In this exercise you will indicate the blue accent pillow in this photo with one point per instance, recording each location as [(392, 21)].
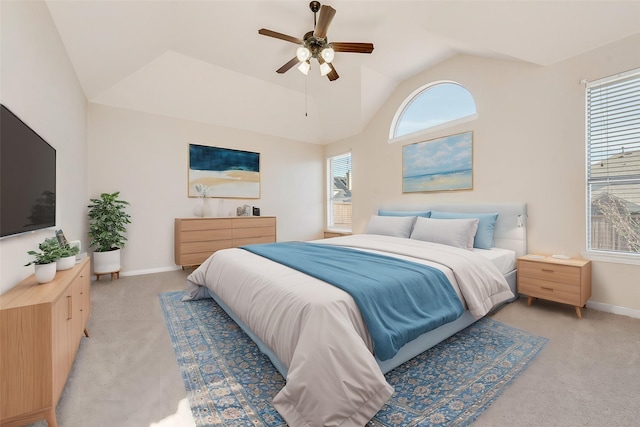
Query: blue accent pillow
[(424, 214), (486, 226)]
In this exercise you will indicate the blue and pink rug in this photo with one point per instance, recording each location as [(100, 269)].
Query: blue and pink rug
[(230, 382)]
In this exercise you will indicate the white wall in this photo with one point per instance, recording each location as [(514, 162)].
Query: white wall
[(145, 157), (529, 146), (38, 84)]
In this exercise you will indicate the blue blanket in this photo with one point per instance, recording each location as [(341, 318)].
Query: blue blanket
[(399, 300)]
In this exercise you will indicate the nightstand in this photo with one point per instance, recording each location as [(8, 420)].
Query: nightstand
[(329, 234), (566, 281)]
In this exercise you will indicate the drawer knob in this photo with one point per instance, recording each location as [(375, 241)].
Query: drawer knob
[(547, 289), (546, 270)]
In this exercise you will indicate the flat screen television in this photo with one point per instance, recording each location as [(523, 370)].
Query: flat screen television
[(27, 178)]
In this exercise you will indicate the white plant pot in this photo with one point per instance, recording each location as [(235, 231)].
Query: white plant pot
[(65, 263), (106, 262), (45, 272)]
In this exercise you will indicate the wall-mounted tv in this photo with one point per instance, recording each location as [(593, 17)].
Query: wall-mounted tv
[(27, 178)]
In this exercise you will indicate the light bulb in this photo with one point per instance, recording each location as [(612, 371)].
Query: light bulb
[(325, 69), (304, 67), (302, 53), (328, 54)]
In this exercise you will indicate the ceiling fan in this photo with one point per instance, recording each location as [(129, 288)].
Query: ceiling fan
[(314, 44)]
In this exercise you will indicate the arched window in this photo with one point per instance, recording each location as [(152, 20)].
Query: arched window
[(431, 106)]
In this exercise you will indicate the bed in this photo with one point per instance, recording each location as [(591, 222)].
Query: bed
[(315, 333)]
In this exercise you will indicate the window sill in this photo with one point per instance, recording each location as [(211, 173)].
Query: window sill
[(620, 258)]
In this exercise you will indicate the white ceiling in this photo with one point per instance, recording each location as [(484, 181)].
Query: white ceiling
[(205, 61)]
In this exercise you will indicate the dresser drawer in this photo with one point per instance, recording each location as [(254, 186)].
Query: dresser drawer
[(552, 291), (549, 272)]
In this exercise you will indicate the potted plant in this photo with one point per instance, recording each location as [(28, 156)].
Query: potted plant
[(67, 257), (107, 228), (45, 260)]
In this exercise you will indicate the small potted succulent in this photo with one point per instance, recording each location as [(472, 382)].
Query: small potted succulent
[(45, 260)]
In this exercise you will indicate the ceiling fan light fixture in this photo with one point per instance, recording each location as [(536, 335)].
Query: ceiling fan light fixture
[(325, 68), (304, 67), (328, 54), (303, 53)]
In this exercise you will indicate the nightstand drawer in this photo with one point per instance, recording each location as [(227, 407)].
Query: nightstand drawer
[(549, 272), (553, 291)]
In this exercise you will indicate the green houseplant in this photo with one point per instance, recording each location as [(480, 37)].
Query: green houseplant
[(67, 256), (107, 228), (45, 259)]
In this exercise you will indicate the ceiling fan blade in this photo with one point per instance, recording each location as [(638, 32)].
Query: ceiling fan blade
[(286, 67), (352, 47), (280, 36), (333, 74), (326, 16)]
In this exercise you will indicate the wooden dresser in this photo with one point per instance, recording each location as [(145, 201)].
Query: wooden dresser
[(561, 280), (196, 239), (40, 330)]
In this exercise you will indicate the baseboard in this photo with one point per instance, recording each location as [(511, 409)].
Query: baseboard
[(146, 271), (615, 309)]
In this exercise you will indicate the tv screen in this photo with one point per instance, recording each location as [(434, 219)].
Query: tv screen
[(27, 178)]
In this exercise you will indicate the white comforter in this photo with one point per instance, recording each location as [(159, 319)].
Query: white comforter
[(316, 329)]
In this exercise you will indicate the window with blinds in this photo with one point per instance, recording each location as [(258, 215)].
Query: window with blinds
[(613, 164), (339, 192)]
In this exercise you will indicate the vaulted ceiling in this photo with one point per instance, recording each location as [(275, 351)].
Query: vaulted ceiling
[(205, 61)]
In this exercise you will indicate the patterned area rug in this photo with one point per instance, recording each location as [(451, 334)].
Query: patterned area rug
[(230, 382)]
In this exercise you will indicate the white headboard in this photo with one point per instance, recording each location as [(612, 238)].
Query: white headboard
[(511, 226)]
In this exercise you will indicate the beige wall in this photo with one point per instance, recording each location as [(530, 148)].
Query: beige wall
[(39, 85), (529, 146), (145, 157)]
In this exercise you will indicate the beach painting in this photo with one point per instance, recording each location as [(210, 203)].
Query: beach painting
[(222, 172), (442, 164)]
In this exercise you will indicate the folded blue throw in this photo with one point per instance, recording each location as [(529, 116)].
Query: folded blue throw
[(399, 300)]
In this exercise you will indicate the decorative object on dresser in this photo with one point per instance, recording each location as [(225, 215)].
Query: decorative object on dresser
[(41, 327), (45, 260), (566, 281), (197, 238), (107, 226)]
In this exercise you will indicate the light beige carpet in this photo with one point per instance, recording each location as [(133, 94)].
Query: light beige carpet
[(126, 374)]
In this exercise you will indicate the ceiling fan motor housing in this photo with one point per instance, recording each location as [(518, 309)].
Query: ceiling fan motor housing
[(314, 44)]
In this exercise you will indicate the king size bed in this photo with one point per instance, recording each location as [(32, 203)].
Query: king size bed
[(435, 270)]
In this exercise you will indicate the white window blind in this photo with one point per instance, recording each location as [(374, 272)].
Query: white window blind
[(613, 164), (339, 191)]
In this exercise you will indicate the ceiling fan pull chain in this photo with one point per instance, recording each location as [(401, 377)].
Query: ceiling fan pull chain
[(306, 97)]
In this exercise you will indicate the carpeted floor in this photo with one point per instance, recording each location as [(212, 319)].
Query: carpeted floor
[(230, 382), (126, 373)]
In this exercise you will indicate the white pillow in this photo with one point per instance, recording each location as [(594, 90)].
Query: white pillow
[(398, 226), (452, 232)]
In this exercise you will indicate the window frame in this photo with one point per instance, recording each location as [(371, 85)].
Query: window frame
[(621, 257), (420, 134)]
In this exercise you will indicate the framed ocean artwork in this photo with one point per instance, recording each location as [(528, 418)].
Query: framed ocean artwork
[(223, 172), (442, 164)]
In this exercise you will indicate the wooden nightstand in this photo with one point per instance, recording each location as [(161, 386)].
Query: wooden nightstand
[(566, 281), (329, 234)]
